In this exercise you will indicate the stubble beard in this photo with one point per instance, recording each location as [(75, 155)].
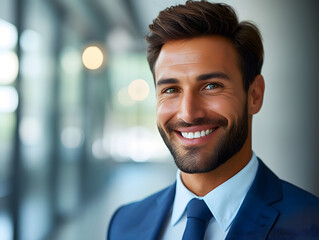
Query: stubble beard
[(229, 143)]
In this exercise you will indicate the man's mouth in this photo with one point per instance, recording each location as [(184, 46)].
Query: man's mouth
[(197, 134)]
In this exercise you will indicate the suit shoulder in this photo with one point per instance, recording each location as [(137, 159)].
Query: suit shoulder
[(297, 195), (145, 203), (298, 214), (138, 214), (298, 204), (283, 193)]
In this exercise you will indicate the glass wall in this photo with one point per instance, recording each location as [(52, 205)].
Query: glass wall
[(9, 99), (76, 112)]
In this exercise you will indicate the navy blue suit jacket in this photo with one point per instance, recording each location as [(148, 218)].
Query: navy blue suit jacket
[(272, 209)]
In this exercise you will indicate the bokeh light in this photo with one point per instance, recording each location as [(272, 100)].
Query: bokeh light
[(71, 137), (8, 99), (9, 67), (92, 57), (31, 131), (140, 143), (98, 149), (30, 41), (138, 90), (9, 35)]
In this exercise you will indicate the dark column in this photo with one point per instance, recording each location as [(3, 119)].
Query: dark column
[(16, 167)]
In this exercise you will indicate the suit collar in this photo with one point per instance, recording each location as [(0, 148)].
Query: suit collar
[(253, 221), (224, 201), (256, 215)]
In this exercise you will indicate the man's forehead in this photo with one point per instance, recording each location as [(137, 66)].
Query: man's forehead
[(187, 50), (177, 58), (208, 50)]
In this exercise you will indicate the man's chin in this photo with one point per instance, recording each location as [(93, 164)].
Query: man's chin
[(198, 170), (197, 164)]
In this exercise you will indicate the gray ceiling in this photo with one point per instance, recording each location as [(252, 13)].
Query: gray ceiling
[(99, 19)]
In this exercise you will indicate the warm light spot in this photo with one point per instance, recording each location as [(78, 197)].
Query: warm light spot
[(92, 57), (8, 99), (9, 67), (138, 90)]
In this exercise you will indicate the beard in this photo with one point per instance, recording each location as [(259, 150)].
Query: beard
[(188, 159)]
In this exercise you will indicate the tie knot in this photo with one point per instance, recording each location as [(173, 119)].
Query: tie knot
[(197, 208)]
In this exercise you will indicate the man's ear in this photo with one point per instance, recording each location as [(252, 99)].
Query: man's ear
[(256, 94)]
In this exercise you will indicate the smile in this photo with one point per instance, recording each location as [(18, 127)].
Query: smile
[(198, 134)]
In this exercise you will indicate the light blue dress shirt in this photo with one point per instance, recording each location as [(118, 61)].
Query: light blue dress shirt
[(223, 201)]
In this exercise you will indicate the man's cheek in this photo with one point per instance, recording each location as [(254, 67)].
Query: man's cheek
[(166, 111), (224, 107)]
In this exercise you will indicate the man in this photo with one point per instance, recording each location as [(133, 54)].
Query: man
[(206, 68)]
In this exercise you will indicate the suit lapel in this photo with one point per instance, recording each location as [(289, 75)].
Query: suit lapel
[(256, 215), (155, 219)]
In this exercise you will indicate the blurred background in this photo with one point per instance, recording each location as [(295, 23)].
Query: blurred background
[(78, 133)]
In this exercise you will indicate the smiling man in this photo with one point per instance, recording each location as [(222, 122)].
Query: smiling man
[(203, 112), (207, 71)]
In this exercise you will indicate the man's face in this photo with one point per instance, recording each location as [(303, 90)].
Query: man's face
[(201, 103)]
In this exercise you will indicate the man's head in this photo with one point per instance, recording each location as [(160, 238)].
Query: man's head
[(202, 18), (206, 68)]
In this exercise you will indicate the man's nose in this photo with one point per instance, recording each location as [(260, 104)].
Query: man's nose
[(190, 108)]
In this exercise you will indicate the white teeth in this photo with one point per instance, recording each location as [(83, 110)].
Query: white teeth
[(202, 133), (191, 135), (197, 135), (185, 135)]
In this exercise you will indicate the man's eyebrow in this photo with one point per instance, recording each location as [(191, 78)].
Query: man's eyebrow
[(166, 81), (207, 76), (201, 77)]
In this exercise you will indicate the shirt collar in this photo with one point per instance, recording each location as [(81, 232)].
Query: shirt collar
[(223, 201)]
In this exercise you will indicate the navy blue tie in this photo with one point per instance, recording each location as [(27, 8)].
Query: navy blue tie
[(198, 217)]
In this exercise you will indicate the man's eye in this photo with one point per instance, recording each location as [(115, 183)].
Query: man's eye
[(212, 86), (171, 90)]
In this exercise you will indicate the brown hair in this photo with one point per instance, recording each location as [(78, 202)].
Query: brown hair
[(200, 18)]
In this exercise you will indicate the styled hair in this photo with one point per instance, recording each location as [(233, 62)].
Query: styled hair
[(202, 18)]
